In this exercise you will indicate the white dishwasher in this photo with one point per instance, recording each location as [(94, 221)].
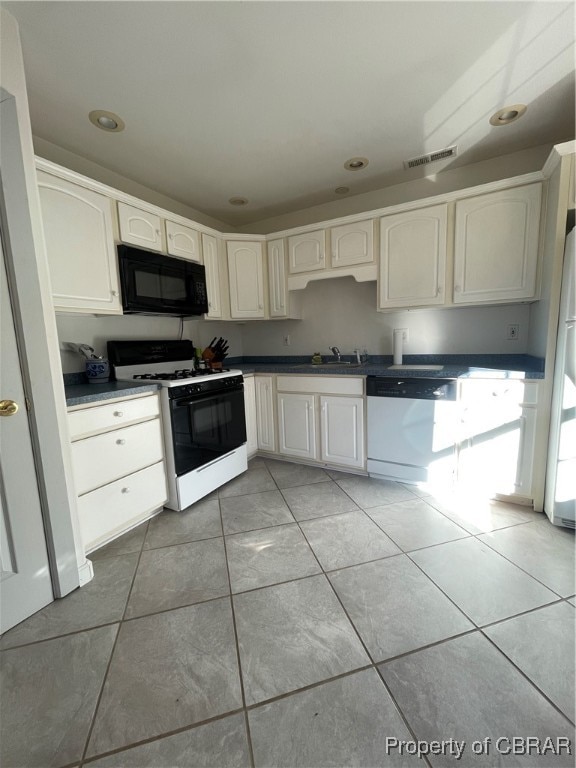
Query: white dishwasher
[(412, 429)]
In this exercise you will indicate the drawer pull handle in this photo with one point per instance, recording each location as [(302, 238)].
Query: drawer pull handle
[(126, 490), (120, 441), (118, 413)]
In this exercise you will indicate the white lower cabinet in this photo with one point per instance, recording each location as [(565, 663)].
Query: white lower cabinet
[(250, 410), (297, 425), (322, 419), (342, 431), (265, 423), (118, 465), (497, 436)]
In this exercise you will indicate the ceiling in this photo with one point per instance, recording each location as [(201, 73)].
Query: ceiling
[(267, 100)]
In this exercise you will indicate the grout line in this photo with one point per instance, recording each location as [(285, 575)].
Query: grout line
[(237, 644), (165, 735), (105, 678), (526, 677), (365, 647), (309, 687), (373, 665), (557, 594), (489, 624), (366, 650), (57, 637)]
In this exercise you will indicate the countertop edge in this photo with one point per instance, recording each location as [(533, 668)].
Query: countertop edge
[(86, 394)]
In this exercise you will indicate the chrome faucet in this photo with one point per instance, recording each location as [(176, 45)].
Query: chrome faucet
[(336, 352)]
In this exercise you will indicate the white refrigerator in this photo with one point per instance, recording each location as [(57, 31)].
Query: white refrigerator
[(560, 491)]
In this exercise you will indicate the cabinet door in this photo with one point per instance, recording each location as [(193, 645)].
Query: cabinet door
[(352, 244), (497, 436), (496, 246), (114, 508), (307, 253), (265, 413), (413, 258), (342, 431), (80, 245), (183, 242), (246, 274), (277, 279), (250, 410), (139, 227), (297, 426), (212, 265)]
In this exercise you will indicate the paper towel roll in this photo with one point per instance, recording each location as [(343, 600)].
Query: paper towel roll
[(397, 339)]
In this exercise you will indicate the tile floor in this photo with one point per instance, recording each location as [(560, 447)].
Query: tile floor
[(302, 617)]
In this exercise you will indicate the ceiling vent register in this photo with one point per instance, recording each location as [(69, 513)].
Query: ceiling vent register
[(441, 154)]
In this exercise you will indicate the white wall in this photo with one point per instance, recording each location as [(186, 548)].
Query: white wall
[(96, 331), (506, 166), (342, 312)]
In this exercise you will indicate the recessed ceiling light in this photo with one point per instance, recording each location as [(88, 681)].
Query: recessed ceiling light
[(238, 201), (107, 121), (356, 163), (508, 115), (342, 190)]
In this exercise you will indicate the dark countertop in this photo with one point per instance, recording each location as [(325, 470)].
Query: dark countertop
[(84, 393), (80, 392), (455, 366)]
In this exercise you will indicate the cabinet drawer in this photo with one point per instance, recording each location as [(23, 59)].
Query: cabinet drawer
[(110, 510), (322, 385), (89, 421), (99, 460)]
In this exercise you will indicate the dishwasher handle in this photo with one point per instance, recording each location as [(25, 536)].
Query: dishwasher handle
[(417, 388)]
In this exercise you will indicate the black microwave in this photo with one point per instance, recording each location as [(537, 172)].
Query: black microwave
[(154, 284)]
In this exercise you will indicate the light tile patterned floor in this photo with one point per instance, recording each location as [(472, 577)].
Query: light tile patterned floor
[(302, 617)]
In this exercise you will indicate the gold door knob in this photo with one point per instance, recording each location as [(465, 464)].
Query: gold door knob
[(8, 407)]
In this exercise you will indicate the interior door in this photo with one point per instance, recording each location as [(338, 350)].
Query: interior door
[(25, 584)]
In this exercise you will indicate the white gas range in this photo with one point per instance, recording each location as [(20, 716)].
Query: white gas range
[(202, 413)]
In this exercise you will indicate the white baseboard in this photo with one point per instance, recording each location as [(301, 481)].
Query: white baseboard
[(86, 572)]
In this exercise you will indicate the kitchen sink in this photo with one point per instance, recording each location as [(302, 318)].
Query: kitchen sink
[(409, 367)]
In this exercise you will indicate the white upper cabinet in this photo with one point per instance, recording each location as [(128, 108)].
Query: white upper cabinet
[(307, 252), (278, 288), (413, 258), (80, 245), (352, 244), (183, 242), (212, 266), (496, 246), (246, 275), (140, 228)]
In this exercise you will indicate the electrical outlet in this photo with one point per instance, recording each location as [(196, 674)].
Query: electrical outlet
[(405, 333), (286, 340), (513, 331)]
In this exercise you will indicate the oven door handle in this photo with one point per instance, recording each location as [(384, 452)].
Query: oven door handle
[(184, 403)]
